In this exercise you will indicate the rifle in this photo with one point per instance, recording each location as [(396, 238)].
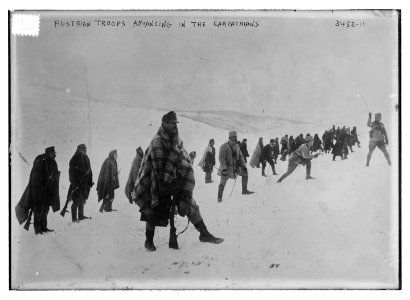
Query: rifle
[(173, 242), (70, 196), (27, 224)]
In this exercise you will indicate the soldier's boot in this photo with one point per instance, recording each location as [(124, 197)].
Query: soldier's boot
[(273, 170), (220, 192), (386, 155), (173, 242), (308, 168), (37, 227), (149, 240), (205, 236), (282, 177), (245, 186), (368, 160), (263, 171), (81, 212), (109, 206), (74, 213), (101, 210)]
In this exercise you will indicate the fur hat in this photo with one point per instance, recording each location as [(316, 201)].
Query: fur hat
[(170, 117)]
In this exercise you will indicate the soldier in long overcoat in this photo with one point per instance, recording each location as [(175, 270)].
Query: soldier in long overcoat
[(166, 181), (108, 182), (41, 193), (81, 181), (232, 164)]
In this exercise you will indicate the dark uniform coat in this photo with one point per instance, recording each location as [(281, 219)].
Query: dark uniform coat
[(42, 189), (80, 175)]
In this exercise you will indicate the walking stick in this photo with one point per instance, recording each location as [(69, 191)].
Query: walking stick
[(233, 187)]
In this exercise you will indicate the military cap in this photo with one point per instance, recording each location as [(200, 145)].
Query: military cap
[(232, 134), (50, 150)]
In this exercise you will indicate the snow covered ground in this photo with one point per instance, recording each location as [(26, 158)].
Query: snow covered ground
[(338, 231)]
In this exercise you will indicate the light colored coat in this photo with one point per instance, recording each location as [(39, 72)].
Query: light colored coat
[(228, 162), (379, 132)]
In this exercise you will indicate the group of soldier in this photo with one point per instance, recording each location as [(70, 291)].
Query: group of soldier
[(161, 180), (42, 191)]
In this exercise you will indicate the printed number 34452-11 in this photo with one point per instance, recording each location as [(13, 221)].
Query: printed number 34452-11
[(348, 24)]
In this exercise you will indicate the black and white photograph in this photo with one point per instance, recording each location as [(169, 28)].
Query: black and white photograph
[(205, 149)]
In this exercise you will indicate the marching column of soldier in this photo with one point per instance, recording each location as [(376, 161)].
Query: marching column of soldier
[(161, 181)]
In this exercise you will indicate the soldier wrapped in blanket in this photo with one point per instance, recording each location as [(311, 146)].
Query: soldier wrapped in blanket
[(257, 154), (41, 192), (317, 144), (284, 143), (207, 162), (132, 177), (231, 164), (378, 137), (300, 157), (81, 177), (167, 178), (108, 182)]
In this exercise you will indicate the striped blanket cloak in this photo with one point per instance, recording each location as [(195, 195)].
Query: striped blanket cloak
[(166, 169)]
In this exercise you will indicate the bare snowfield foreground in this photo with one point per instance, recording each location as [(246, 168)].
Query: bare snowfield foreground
[(338, 231)]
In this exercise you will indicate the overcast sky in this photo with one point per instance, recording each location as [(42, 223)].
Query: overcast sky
[(291, 64)]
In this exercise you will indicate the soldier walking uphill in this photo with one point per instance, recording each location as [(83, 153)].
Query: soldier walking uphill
[(378, 137), (207, 162), (41, 192), (300, 157), (268, 156), (132, 177), (108, 182), (81, 180), (232, 163), (166, 181)]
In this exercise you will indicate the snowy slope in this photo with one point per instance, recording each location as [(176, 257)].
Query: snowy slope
[(337, 231)]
